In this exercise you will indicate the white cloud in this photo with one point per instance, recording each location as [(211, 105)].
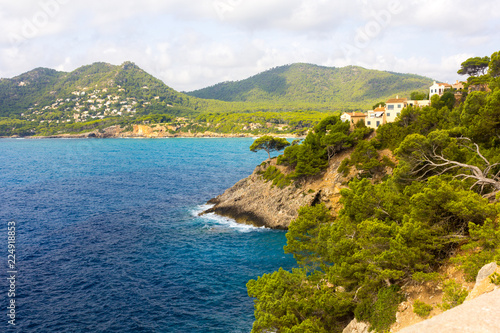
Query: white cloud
[(193, 44)]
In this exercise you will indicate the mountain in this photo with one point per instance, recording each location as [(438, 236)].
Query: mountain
[(94, 97), (42, 89), (351, 86)]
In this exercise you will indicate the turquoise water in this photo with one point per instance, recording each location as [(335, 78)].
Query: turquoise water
[(108, 238)]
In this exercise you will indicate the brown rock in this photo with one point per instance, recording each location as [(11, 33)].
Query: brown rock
[(254, 200), (483, 283), (480, 315), (356, 327)]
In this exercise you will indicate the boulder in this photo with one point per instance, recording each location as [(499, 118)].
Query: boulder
[(356, 327)]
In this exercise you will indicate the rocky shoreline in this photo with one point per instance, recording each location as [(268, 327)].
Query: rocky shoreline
[(254, 200), (143, 131)]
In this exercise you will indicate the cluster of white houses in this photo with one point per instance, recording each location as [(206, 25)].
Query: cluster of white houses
[(393, 107)]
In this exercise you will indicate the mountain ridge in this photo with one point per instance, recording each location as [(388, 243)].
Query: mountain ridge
[(302, 82)]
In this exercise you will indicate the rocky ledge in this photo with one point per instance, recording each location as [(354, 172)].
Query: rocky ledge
[(254, 200)]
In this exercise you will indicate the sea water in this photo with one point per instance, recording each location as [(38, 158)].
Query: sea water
[(108, 237)]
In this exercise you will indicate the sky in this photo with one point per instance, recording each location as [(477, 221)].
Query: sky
[(197, 43)]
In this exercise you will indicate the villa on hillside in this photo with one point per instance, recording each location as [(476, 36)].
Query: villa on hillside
[(438, 89), (393, 107), (382, 114)]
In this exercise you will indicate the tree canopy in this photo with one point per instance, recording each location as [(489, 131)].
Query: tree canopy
[(269, 143), (441, 198), (494, 66), (474, 66)]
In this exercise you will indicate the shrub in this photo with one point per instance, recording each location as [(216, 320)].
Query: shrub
[(495, 279), (274, 174), (454, 294), (344, 168), (421, 277), (385, 308), (422, 309), (483, 247)]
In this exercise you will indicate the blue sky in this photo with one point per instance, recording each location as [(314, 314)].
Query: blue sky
[(197, 43)]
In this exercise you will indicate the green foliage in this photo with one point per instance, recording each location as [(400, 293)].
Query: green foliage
[(297, 302), (481, 118), (334, 88), (453, 294), (260, 122), (483, 248), (397, 231), (422, 277), (269, 143), (495, 279), (494, 65), (303, 239), (422, 309), (274, 174), (344, 167), (474, 66), (379, 104), (417, 95), (155, 118), (326, 139), (385, 307), (42, 87), (365, 157)]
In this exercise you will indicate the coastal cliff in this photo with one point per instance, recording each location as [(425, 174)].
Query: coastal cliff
[(145, 131), (255, 200)]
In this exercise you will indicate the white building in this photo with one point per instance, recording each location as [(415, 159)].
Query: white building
[(393, 108), (438, 89), (375, 118), (353, 117)]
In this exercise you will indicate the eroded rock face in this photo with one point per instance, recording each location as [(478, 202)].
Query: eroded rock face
[(356, 327), (254, 200), (483, 284), (479, 313)]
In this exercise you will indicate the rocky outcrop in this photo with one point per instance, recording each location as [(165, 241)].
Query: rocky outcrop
[(483, 283), (479, 313), (357, 327), (254, 200)]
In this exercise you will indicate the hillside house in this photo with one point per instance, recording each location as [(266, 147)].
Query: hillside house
[(438, 89), (458, 85), (420, 103), (393, 108), (377, 117), (353, 117)]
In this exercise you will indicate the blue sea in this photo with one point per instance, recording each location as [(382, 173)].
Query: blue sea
[(108, 237)]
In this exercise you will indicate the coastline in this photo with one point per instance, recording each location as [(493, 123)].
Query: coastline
[(205, 135)]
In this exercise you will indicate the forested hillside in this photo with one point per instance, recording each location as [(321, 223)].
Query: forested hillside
[(400, 222), (42, 87), (348, 87)]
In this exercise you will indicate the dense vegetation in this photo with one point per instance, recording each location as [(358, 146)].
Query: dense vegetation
[(93, 97), (349, 87), (41, 87), (440, 203), (326, 139)]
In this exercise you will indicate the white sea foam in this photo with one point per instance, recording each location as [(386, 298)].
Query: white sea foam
[(212, 220)]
